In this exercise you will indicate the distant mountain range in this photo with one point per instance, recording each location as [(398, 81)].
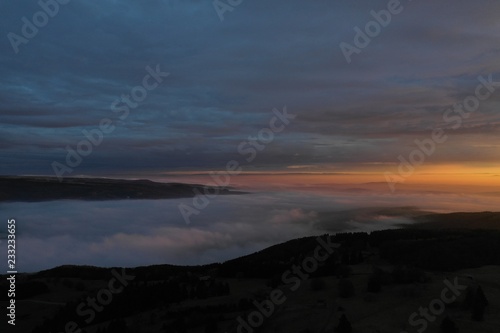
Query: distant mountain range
[(459, 220), (37, 188)]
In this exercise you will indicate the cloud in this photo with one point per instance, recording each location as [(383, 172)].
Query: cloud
[(295, 215), (227, 76)]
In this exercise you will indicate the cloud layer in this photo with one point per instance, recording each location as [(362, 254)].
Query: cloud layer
[(145, 232), (225, 78)]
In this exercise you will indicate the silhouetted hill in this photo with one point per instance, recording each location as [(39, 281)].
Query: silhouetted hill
[(392, 264), (271, 260)]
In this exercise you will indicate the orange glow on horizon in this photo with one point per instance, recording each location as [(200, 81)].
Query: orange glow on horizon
[(453, 179), (433, 174)]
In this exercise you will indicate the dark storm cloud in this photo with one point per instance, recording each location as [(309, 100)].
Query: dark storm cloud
[(225, 78)]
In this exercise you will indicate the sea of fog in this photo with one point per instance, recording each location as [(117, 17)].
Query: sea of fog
[(144, 232)]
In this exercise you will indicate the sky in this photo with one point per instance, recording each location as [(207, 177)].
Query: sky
[(221, 79)]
